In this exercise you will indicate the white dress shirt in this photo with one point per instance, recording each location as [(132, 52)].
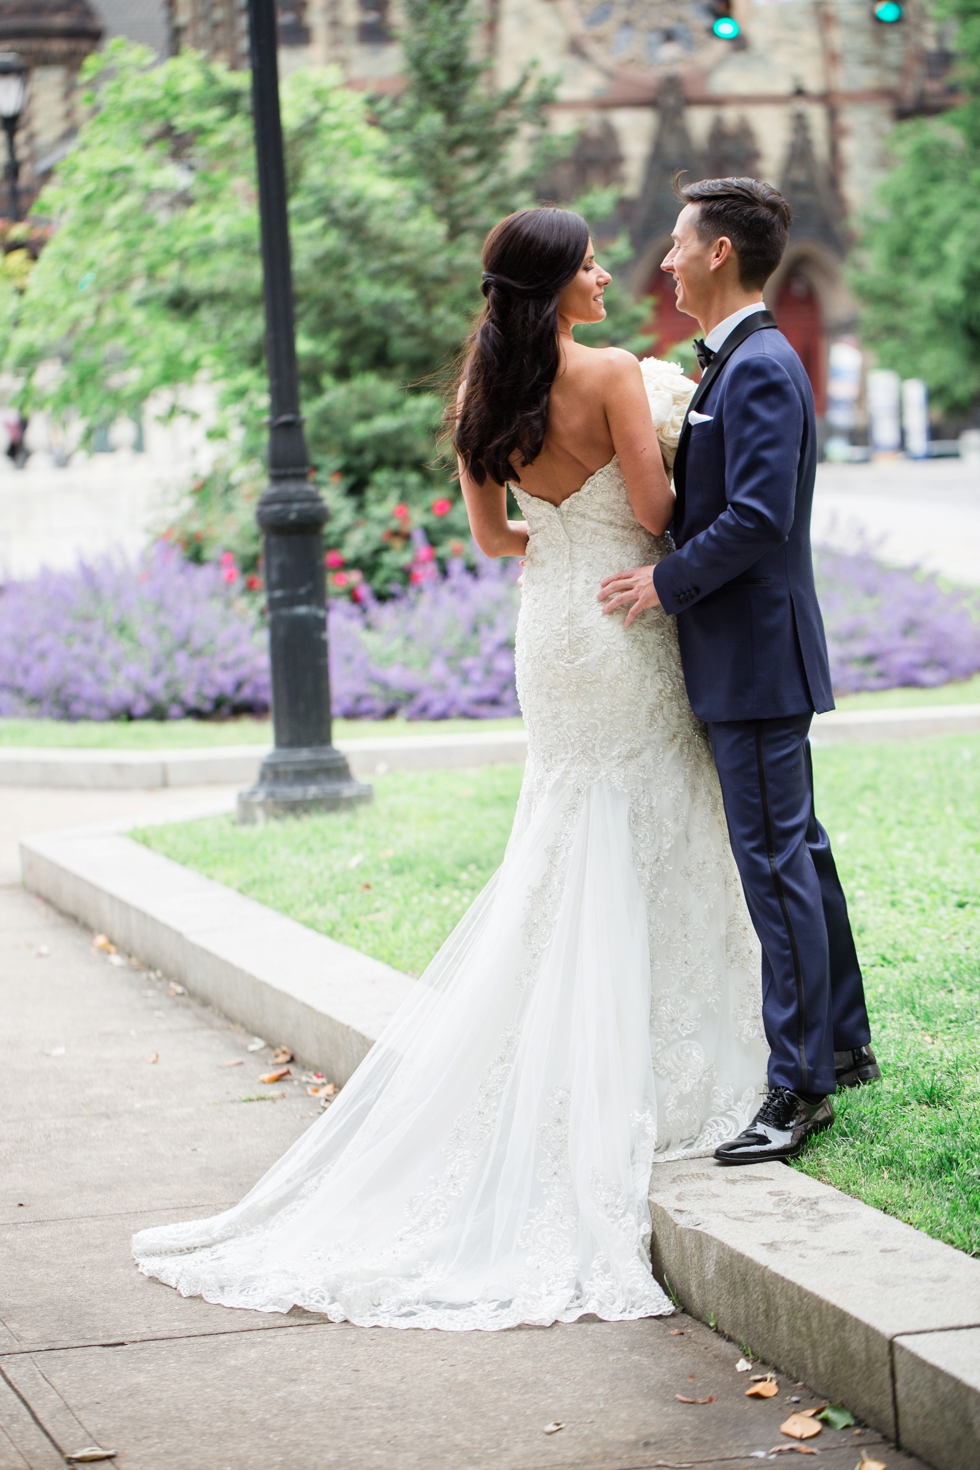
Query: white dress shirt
[(724, 329)]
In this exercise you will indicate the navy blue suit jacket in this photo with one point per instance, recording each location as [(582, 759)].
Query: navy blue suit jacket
[(741, 580)]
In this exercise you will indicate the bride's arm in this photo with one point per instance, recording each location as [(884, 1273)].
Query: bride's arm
[(635, 439), (486, 506)]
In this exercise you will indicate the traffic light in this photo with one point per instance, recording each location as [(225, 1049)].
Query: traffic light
[(725, 26), (889, 12)]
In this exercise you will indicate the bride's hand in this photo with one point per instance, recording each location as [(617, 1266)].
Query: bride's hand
[(625, 588)]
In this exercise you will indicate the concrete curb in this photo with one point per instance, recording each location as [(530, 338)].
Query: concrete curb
[(238, 764), (326, 1002), (866, 1310)]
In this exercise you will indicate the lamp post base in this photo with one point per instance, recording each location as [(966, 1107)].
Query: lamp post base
[(295, 781)]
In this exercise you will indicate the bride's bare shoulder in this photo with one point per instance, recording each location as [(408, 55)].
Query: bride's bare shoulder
[(607, 364)]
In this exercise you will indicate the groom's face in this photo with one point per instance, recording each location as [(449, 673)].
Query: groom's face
[(689, 262)]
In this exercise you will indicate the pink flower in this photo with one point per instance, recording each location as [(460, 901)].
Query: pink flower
[(456, 548), (227, 558), (230, 574), (340, 579), (441, 507), (416, 575), (333, 559), (253, 583), (401, 512), (355, 576), (425, 553)]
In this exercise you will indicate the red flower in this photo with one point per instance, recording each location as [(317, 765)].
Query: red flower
[(441, 507), (340, 579), (336, 477), (333, 559), (456, 548), (253, 583), (401, 512)]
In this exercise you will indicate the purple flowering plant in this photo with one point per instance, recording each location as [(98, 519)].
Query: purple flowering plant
[(165, 638), (111, 640), (891, 627)]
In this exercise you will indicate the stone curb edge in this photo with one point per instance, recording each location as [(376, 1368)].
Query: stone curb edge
[(373, 755), (861, 1307)]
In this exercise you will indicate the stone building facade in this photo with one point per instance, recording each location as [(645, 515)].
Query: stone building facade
[(804, 97)]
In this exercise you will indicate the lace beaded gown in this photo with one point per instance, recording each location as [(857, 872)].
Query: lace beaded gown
[(595, 1011)]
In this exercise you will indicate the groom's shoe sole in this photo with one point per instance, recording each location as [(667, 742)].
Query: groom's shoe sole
[(856, 1071), (790, 1151)]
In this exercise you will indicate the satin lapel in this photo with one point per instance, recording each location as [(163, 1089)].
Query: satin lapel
[(757, 322)]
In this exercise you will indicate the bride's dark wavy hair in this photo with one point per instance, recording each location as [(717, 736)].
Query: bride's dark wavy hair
[(512, 358)]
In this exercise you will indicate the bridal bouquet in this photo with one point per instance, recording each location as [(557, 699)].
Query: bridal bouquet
[(669, 393)]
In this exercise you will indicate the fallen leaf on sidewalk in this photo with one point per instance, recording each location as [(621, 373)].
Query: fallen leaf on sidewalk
[(816, 1412), (800, 1426), (682, 1400), (760, 1377), (743, 1365), (176, 990), (275, 1076), (792, 1449), (329, 1089), (835, 1415), (91, 1453), (256, 1044), (764, 1390), (155, 1057), (554, 1427), (873, 1465), (281, 1056), (101, 941), (677, 1332), (235, 1062)]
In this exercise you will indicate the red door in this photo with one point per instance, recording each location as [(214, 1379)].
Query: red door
[(668, 325), (799, 318)]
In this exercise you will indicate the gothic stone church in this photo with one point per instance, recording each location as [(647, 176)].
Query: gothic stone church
[(803, 95)]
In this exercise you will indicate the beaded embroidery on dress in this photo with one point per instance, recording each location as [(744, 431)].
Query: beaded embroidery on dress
[(597, 1010)]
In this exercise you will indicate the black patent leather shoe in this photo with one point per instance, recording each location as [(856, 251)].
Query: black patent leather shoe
[(855, 1067), (779, 1130)]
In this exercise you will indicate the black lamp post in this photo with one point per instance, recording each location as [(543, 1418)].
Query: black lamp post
[(13, 95), (304, 772)]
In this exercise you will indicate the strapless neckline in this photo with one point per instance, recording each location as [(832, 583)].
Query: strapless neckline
[(557, 505)]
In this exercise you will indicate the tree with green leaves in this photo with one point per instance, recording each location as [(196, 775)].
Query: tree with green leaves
[(916, 270), (151, 282)]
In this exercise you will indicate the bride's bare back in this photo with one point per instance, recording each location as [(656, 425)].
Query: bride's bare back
[(597, 408)]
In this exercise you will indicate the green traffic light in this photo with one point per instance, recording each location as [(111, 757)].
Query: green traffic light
[(726, 29), (888, 12)]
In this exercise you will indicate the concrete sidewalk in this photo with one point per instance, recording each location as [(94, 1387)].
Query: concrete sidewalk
[(99, 1141)]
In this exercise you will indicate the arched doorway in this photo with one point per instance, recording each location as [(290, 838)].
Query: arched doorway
[(801, 321), (668, 325)]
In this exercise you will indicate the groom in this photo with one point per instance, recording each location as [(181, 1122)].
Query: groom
[(753, 648)]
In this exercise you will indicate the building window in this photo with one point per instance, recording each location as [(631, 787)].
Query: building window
[(293, 30), (372, 28)]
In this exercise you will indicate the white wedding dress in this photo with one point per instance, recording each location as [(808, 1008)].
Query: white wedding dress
[(595, 1011)]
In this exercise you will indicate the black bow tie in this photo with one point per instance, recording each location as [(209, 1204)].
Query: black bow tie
[(703, 354)]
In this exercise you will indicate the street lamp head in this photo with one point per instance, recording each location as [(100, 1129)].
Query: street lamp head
[(13, 85)]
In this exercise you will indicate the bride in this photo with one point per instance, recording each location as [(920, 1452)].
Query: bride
[(597, 1010)]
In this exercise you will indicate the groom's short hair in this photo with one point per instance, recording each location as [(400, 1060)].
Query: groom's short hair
[(754, 216)]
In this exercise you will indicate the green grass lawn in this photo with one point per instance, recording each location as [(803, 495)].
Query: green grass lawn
[(392, 879), (191, 734), (185, 734)]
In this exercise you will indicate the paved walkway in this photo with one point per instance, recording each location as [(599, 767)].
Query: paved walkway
[(914, 512), (99, 1140)]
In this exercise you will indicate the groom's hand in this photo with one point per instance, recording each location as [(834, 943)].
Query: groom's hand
[(626, 588)]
